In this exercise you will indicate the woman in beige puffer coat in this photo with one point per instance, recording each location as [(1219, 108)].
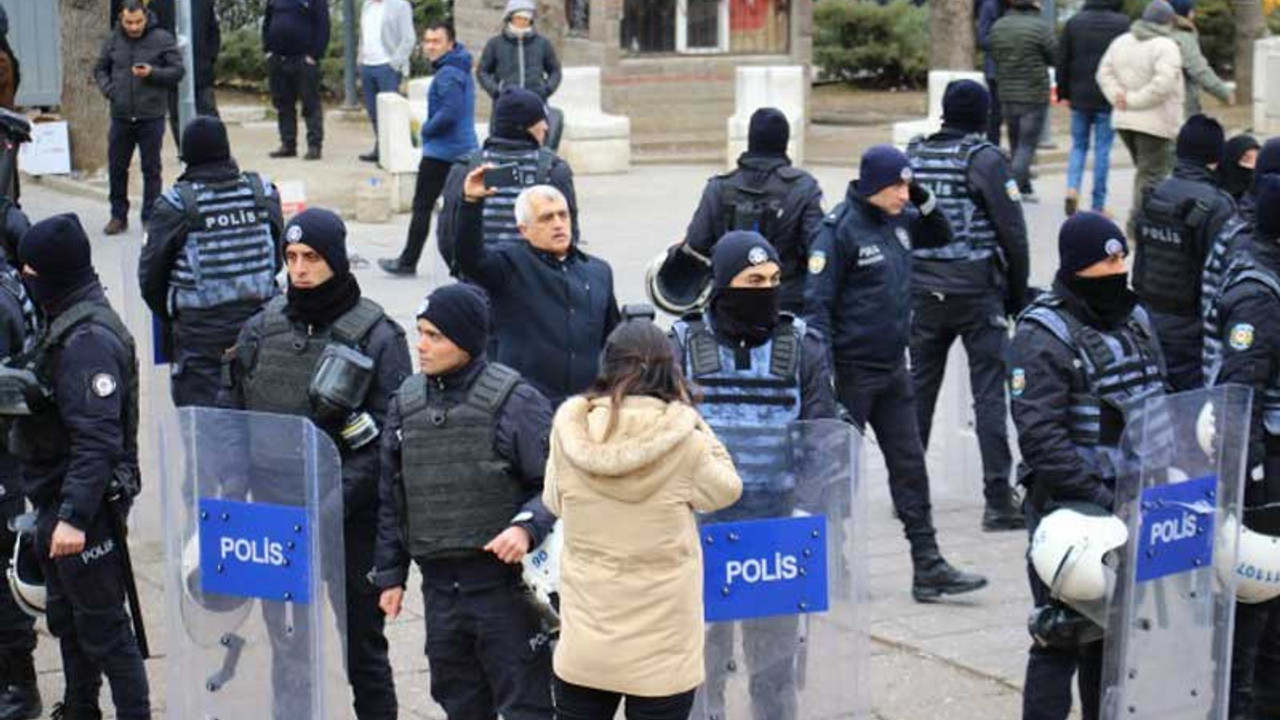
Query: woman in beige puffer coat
[(630, 464)]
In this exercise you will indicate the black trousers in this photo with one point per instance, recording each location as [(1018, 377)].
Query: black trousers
[(123, 137), (86, 612), (978, 321), (1046, 693), (480, 656), (575, 702), (431, 176), (292, 79), (195, 380), (885, 400), (1183, 345), (1255, 661), (995, 118)]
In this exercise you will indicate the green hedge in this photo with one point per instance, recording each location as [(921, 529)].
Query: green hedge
[(872, 44)]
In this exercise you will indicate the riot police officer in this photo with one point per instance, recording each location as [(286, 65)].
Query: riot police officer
[(966, 288), (325, 352), (1175, 226), (79, 456), (463, 457), (760, 367), (210, 260), (858, 298), (765, 194), (1081, 354), (1245, 322)]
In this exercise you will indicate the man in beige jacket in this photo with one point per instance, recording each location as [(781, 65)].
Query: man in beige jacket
[(1141, 76)]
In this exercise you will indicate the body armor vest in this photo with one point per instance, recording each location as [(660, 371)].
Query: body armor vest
[(11, 282), (737, 400), (41, 437), (499, 214), (229, 254), (284, 359), (457, 492), (942, 166), (1215, 269), (758, 208), (1122, 369), (1243, 268), (1167, 272)]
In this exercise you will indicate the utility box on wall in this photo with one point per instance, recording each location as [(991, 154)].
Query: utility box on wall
[(36, 38)]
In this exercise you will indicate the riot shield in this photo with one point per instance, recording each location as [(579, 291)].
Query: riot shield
[(254, 579), (784, 581), (1169, 625)]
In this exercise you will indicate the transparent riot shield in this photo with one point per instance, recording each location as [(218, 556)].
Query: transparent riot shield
[(254, 579), (784, 581), (1169, 625)]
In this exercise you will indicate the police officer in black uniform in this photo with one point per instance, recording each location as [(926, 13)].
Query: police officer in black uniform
[(1245, 321), (1175, 226), (463, 457), (324, 352), (858, 298), (765, 194), (1081, 354), (966, 288), (79, 456), (759, 368), (210, 260)]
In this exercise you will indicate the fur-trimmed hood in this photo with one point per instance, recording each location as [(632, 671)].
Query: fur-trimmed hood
[(626, 465)]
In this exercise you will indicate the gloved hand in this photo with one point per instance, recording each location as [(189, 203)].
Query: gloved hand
[(921, 197)]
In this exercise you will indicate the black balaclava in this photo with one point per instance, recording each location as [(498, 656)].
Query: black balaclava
[(743, 314), (1085, 239), (1233, 178), (58, 250)]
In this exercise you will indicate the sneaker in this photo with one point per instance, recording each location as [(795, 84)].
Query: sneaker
[(935, 577), (370, 157), (392, 266), (313, 153), (1072, 203), (284, 151), (115, 227)]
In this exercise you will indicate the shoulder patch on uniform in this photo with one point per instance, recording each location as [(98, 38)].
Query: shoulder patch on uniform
[(903, 236), (1011, 189), (103, 384), (817, 262), (1017, 381), (1241, 337)]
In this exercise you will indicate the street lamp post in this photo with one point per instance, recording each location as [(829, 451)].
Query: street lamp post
[(349, 54), (186, 45)]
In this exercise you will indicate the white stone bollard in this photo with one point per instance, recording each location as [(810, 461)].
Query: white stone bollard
[(1266, 86), (904, 131), (594, 142), (757, 86)]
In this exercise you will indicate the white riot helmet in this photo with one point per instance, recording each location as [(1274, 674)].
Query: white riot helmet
[(1257, 563), (542, 570), (26, 578), (1068, 551), (679, 280)]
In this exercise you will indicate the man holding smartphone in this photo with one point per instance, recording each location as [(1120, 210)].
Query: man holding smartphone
[(138, 66)]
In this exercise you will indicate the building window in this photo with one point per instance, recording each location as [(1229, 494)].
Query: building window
[(705, 26), (579, 16)]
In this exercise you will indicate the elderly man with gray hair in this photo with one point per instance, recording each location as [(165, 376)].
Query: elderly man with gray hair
[(552, 305)]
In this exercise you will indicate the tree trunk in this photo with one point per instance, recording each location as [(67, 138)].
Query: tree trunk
[(1249, 27), (84, 25), (951, 45)]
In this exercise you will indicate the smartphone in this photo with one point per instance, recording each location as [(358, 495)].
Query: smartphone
[(503, 176)]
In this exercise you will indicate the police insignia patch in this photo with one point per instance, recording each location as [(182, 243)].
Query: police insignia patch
[(1241, 337), (1114, 247), (103, 385), (1017, 381), (817, 263), (757, 256), (1011, 189), (903, 237), (294, 234)]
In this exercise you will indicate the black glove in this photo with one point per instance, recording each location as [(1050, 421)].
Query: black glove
[(921, 197)]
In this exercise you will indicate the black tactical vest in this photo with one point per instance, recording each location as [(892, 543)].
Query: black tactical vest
[(279, 372), (942, 166), (758, 208), (11, 282), (1167, 267), (457, 493)]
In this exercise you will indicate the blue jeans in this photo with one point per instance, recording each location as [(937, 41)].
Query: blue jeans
[(1103, 137), (376, 79)]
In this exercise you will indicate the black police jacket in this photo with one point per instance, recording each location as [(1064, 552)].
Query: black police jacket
[(520, 437), (12, 336), (858, 294), (385, 344), (789, 234), (550, 316)]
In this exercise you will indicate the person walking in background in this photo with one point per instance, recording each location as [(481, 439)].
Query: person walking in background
[(630, 463), (386, 42), (1141, 76), (295, 36), (1196, 71), (1085, 39), (1023, 48), (989, 11), (448, 136)]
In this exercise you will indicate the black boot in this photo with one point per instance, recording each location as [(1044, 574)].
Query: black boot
[(62, 711), (1002, 511), (20, 698), (935, 577)]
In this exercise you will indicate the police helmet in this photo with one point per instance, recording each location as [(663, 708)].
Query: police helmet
[(679, 280), (1257, 562), (1069, 548), (26, 579), (541, 573)]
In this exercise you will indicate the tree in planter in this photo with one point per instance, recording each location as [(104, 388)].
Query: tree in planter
[(86, 111), (952, 43)]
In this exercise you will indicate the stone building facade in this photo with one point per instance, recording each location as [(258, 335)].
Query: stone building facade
[(666, 64)]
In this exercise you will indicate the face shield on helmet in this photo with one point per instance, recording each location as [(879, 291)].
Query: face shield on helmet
[(26, 578), (1257, 562), (1069, 553), (679, 280), (541, 575)]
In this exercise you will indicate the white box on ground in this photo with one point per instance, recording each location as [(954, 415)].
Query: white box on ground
[(293, 196), (904, 131), (49, 152), (757, 86)]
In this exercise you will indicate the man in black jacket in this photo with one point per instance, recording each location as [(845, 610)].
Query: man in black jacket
[(1086, 37), (295, 36), (765, 194), (967, 288), (519, 57), (138, 66), (552, 304)]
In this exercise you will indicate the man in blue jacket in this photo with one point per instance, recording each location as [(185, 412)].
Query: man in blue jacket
[(448, 136)]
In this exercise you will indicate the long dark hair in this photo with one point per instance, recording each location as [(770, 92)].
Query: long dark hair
[(638, 359)]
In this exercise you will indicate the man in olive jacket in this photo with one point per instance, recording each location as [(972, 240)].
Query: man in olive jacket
[(1023, 48)]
